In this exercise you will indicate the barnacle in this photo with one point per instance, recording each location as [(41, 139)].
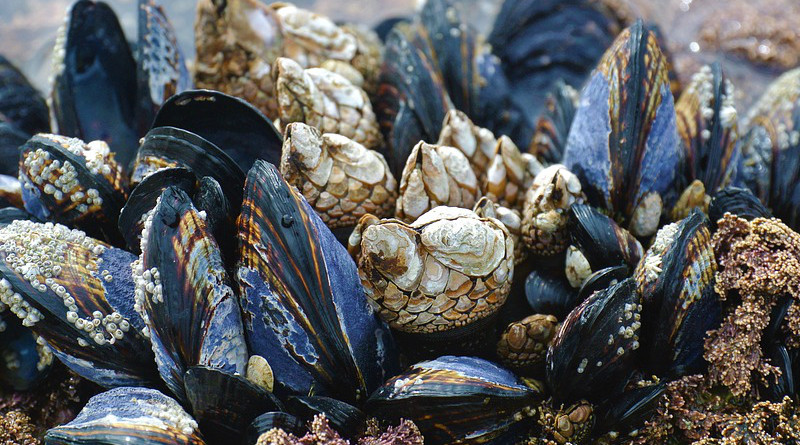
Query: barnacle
[(16, 428)]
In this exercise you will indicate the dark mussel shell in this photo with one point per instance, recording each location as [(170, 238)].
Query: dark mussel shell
[(623, 143), (227, 122), (94, 86), (594, 353), (676, 280), (161, 69), (167, 147), (183, 292), (344, 418), (770, 159), (270, 420), (69, 181), (20, 104), (629, 411), (224, 404), (128, 416), (411, 100), (472, 75), (707, 125), (23, 362), (11, 214), (11, 139), (784, 384), (602, 279), (601, 240), (77, 293), (143, 199), (302, 300), (549, 292), (540, 42), (456, 400), (552, 126), (736, 201)]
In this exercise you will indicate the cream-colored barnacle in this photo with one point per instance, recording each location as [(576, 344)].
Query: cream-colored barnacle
[(510, 173), (478, 144), (393, 251), (544, 214), (471, 246)]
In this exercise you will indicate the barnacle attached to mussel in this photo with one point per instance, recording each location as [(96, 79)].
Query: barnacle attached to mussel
[(340, 178), (448, 269)]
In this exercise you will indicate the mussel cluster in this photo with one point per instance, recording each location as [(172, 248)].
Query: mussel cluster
[(411, 234)]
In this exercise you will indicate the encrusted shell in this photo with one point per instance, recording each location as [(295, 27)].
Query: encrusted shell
[(325, 100), (544, 215), (524, 343), (435, 175), (477, 143), (510, 174), (510, 218), (340, 178), (448, 269)]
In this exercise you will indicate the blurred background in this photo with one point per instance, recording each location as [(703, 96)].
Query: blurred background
[(754, 39)]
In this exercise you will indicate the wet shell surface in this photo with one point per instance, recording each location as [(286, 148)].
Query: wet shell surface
[(340, 178), (446, 270), (544, 214)]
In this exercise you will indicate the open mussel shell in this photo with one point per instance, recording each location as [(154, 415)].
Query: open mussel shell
[(343, 417), (69, 181), (227, 122), (411, 100), (170, 147), (183, 293), (456, 400), (549, 292), (303, 304), (128, 416), (94, 85), (676, 280), (623, 143), (77, 293), (707, 124), (21, 106), (270, 420), (23, 363), (540, 42), (736, 201), (224, 404), (594, 353), (161, 68), (143, 199), (601, 240)]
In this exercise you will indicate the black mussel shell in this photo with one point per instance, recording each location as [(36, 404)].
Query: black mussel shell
[(219, 215), (165, 147), (411, 101), (601, 240), (161, 68), (623, 144), (270, 420), (550, 293), (707, 124), (11, 214), (128, 416), (69, 181), (344, 418), (594, 353), (77, 293), (631, 409), (94, 87), (736, 201), (456, 400), (774, 332), (11, 139), (783, 385), (676, 279), (385, 26), (143, 199), (552, 125), (183, 291), (230, 123), (602, 279), (543, 41), (21, 106), (23, 362), (303, 303), (224, 404)]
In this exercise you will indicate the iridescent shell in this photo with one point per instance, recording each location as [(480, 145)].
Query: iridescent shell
[(456, 400), (448, 269), (340, 178), (303, 306), (623, 144)]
